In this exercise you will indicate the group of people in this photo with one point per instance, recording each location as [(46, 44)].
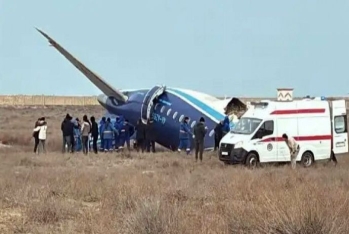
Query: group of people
[(113, 134), (199, 133), (76, 133), (222, 128)]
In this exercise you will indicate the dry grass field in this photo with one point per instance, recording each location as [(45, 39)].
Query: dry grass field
[(156, 193)]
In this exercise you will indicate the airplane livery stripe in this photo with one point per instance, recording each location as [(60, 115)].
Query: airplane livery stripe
[(209, 110), (300, 138)]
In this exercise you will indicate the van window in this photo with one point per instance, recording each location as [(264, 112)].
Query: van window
[(340, 124), (266, 129), (246, 126), (168, 112)]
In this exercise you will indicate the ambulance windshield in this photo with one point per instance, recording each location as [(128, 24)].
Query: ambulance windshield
[(246, 125)]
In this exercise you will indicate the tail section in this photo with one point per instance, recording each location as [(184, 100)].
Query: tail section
[(107, 89)]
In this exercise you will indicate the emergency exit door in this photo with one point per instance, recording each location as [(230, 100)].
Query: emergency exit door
[(148, 101), (339, 127)]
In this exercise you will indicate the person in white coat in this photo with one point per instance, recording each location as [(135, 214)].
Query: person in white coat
[(42, 129)]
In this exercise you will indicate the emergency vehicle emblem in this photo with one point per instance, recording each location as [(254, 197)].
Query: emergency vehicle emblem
[(269, 147)]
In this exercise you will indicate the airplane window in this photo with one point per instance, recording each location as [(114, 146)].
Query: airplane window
[(211, 133), (169, 111), (181, 118), (193, 123), (162, 109), (175, 114), (156, 106)]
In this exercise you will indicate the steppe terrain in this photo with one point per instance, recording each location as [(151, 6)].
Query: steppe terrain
[(156, 193)]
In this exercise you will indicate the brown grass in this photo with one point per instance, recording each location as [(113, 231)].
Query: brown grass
[(157, 193)]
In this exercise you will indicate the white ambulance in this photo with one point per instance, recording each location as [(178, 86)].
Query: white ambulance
[(318, 126)]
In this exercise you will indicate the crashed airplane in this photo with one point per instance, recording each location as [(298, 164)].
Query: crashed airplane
[(167, 106)]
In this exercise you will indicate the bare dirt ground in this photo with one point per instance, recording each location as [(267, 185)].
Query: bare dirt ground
[(156, 193)]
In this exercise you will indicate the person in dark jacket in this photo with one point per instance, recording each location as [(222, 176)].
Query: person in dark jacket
[(150, 135), (199, 135), (118, 125), (218, 134), (101, 130), (67, 128), (94, 134), (140, 135), (36, 136)]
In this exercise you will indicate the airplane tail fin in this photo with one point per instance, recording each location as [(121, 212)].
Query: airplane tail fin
[(107, 89)]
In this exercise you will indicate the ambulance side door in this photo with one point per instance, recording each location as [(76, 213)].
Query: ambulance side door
[(339, 127), (266, 144)]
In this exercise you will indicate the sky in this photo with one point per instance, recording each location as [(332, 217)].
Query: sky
[(227, 47)]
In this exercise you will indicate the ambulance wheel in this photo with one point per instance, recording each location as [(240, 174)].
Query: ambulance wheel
[(307, 159), (252, 160)]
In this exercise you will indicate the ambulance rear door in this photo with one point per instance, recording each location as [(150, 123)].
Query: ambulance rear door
[(339, 127)]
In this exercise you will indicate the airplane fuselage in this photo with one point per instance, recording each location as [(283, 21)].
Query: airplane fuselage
[(170, 109)]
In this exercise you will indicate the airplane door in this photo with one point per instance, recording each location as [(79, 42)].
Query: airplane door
[(339, 127), (266, 147), (148, 102)]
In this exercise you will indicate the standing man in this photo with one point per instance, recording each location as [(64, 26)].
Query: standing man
[(226, 125), (140, 135), (294, 148), (218, 134), (36, 136), (125, 131), (101, 130), (184, 132), (108, 134), (150, 135), (94, 133), (117, 126), (85, 131), (67, 128), (199, 136)]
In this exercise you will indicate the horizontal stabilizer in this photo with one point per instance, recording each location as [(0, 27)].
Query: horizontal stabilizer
[(93, 77)]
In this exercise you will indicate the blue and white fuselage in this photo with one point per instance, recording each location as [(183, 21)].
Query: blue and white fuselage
[(166, 106), (169, 110)]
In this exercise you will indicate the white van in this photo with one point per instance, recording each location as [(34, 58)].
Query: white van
[(319, 127)]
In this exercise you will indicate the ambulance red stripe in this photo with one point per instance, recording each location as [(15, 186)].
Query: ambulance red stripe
[(298, 111), (300, 138)]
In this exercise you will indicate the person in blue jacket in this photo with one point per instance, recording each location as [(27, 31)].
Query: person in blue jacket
[(101, 130), (226, 125), (184, 136), (126, 131), (77, 135), (108, 135)]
